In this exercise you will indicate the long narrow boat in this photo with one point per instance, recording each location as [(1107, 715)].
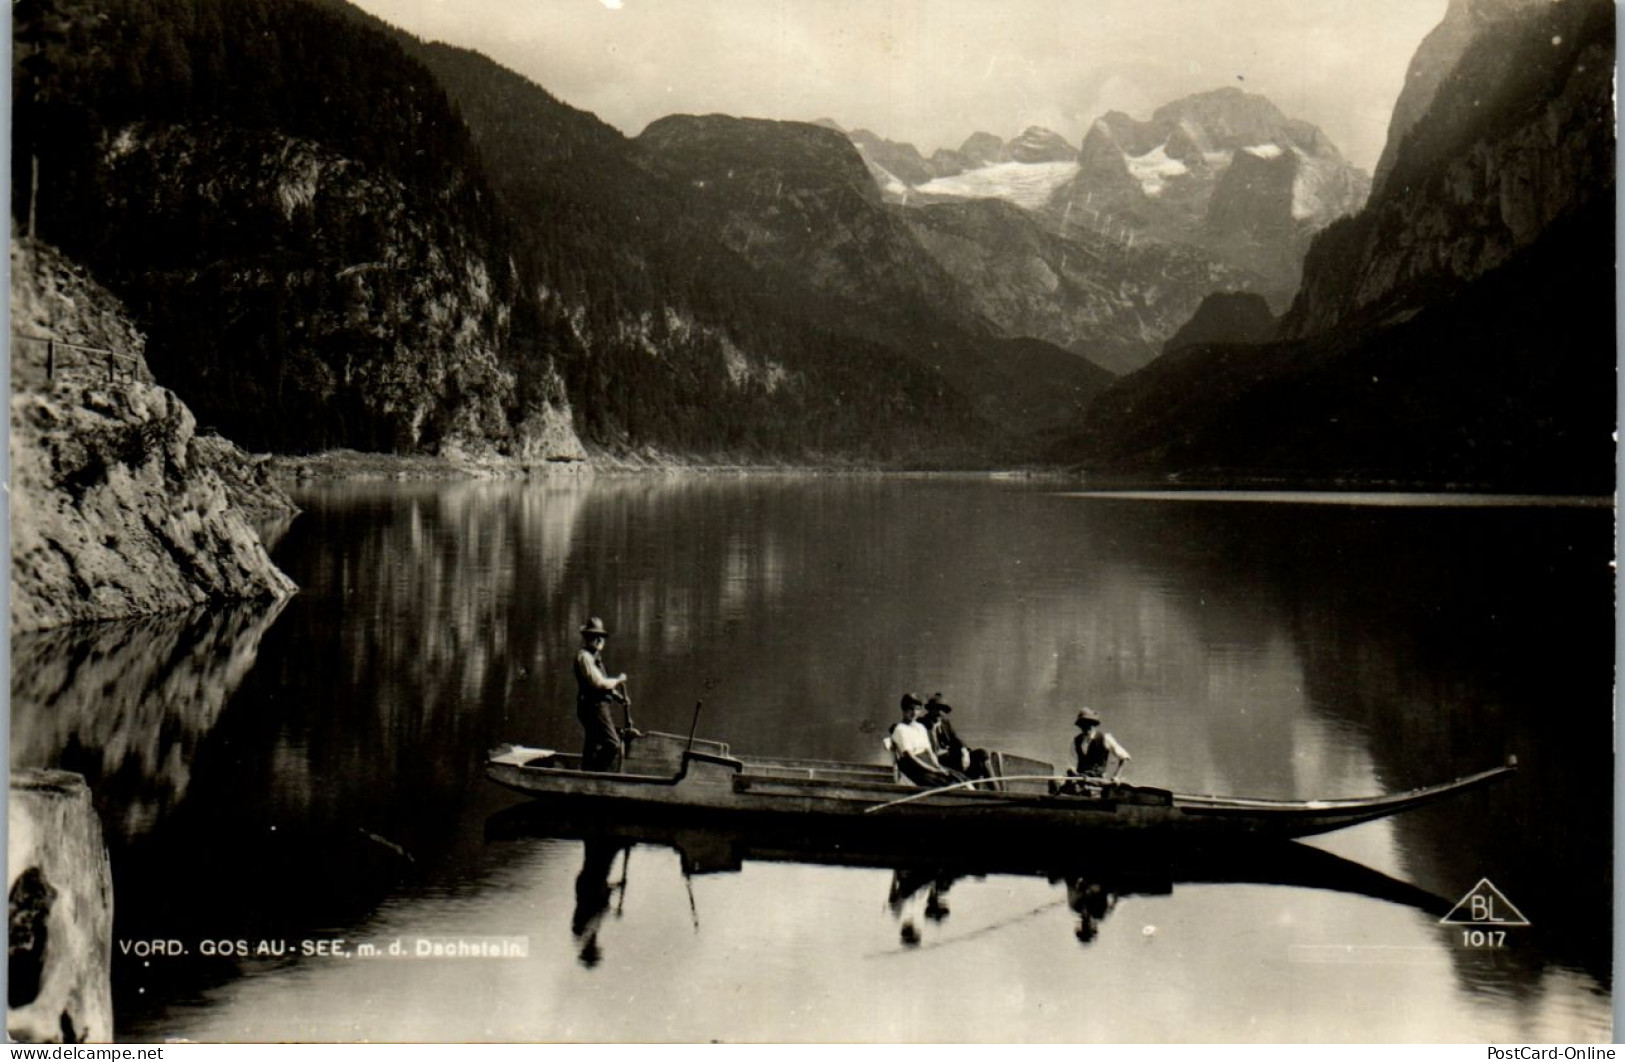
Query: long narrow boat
[(703, 781)]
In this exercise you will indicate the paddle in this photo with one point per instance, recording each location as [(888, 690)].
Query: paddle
[(628, 732), (971, 782), (626, 865), (692, 727)]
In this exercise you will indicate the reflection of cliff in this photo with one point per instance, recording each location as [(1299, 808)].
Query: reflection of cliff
[(1510, 654), (1450, 639), (127, 703)]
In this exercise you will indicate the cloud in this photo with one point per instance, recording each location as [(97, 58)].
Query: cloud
[(933, 71)]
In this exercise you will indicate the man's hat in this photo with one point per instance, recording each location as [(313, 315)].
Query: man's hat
[(1086, 717), (909, 701), (595, 626), (937, 704)]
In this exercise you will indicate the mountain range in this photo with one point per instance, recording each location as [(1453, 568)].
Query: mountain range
[(335, 234)]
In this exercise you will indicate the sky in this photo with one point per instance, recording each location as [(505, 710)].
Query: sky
[(931, 72)]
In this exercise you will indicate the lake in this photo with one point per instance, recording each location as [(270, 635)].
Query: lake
[(308, 777)]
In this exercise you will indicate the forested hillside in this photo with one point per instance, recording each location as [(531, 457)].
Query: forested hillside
[(324, 254), (311, 271)]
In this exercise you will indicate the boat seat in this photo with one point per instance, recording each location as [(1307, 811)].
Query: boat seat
[(896, 771)]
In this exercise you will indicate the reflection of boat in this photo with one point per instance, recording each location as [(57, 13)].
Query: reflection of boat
[(701, 780), (1114, 869)]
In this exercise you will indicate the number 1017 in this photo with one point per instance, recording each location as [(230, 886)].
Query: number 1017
[(1483, 938)]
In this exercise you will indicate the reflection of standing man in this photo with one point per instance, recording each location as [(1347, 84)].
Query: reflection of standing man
[(595, 692), (593, 893)]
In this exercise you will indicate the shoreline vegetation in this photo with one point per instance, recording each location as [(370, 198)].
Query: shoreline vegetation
[(355, 466)]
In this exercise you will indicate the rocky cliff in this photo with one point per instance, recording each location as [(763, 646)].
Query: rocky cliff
[(1517, 136), (118, 506), (1435, 58)]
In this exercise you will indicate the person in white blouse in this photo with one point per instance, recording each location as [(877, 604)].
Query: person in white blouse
[(910, 745)]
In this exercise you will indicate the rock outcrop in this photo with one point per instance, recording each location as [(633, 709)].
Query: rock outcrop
[(118, 506), (1226, 317), (1037, 144)]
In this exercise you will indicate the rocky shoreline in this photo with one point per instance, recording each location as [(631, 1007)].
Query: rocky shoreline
[(118, 506)]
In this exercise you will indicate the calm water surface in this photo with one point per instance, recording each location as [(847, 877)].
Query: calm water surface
[(312, 772)]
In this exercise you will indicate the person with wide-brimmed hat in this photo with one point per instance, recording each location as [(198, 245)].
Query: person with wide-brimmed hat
[(595, 692), (952, 752), (1094, 748)]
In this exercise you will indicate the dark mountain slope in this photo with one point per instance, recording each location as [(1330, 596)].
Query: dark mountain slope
[(1226, 317), (621, 257), (1476, 389), (324, 254), (796, 202)]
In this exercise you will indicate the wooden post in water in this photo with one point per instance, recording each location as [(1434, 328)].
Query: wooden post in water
[(60, 988)]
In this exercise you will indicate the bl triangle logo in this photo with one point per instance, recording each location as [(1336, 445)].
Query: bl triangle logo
[(1484, 905)]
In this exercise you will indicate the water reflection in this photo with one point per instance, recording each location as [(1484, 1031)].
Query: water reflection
[(594, 891), (922, 875), (336, 779), (1439, 640), (128, 703)]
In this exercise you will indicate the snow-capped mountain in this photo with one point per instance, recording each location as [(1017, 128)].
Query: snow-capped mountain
[(1225, 171), (1026, 184), (1024, 171)]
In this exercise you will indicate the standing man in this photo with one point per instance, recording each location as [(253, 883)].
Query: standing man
[(595, 692)]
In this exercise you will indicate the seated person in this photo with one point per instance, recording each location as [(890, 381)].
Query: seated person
[(1094, 749), (910, 745), (960, 759)]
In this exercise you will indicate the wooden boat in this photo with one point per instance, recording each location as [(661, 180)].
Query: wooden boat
[(703, 781)]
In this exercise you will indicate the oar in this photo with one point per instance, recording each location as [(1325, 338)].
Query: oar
[(971, 782), (693, 911), (626, 864), (626, 707), (692, 727)]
